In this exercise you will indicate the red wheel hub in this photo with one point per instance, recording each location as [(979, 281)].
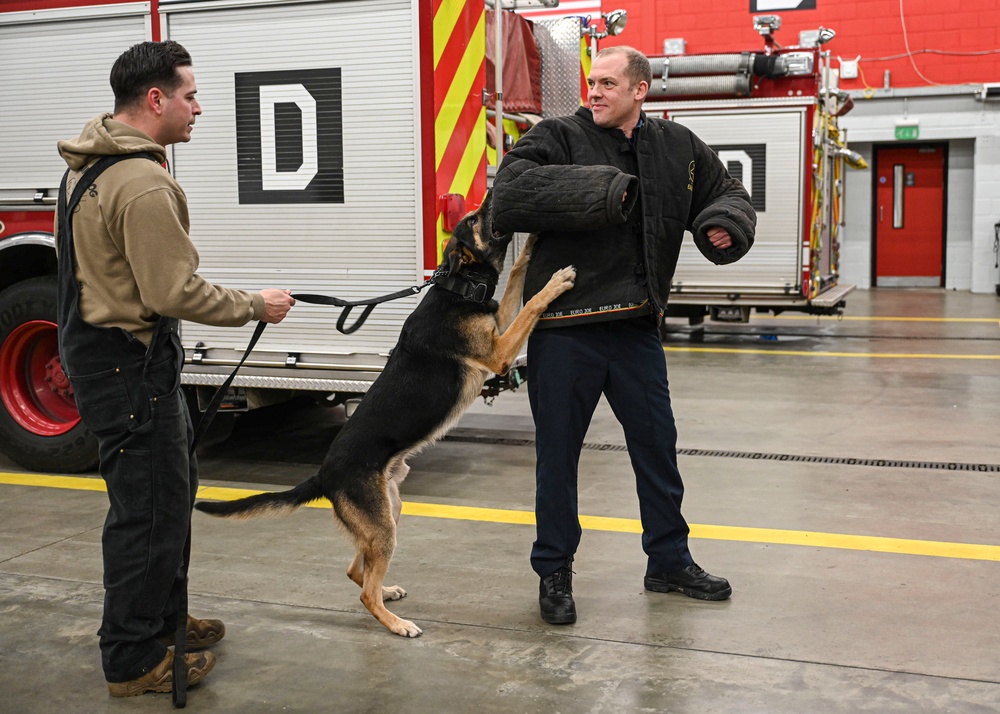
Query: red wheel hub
[(34, 389)]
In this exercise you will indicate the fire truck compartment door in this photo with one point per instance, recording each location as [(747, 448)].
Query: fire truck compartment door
[(55, 77), (765, 150), (304, 170)]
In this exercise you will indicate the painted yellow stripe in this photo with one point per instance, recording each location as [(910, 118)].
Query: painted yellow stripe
[(468, 167), (459, 90), (862, 318), (75, 483), (806, 353), (445, 20), (472, 157), (877, 544)]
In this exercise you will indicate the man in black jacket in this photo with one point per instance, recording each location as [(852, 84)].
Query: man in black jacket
[(612, 191)]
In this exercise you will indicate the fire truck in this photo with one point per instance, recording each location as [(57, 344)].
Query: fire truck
[(341, 140), (771, 115)]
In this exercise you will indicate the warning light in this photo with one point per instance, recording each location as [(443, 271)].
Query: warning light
[(452, 210)]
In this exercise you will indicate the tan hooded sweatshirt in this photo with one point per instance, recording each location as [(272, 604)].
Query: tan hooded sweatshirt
[(134, 257)]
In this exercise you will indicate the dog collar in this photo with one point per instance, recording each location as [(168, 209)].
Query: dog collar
[(477, 290)]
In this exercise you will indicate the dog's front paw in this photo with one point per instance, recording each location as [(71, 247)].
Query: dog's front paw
[(563, 280)]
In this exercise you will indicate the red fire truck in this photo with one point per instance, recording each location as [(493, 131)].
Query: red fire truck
[(388, 106), (385, 101), (772, 116)]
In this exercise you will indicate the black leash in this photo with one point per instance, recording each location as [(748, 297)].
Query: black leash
[(220, 393), (349, 305), (180, 669), (469, 289), (180, 634), (477, 291)]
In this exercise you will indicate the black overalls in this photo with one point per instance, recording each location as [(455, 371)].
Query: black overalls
[(128, 395)]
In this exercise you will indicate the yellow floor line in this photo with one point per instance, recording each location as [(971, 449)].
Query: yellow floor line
[(967, 551), (807, 353), (872, 318)]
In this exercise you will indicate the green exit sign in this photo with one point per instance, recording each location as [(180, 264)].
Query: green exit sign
[(907, 133)]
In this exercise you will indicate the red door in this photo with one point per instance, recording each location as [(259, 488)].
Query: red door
[(909, 216)]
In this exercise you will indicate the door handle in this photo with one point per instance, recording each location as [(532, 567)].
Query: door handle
[(880, 211)]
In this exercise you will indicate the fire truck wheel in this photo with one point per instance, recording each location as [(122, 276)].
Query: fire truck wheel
[(40, 428)]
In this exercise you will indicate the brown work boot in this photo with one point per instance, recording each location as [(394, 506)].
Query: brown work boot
[(200, 634), (161, 677)]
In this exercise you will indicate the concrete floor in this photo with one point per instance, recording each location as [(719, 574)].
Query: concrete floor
[(859, 586)]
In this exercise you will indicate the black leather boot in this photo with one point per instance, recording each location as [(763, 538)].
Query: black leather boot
[(555, 596), (692, 581)]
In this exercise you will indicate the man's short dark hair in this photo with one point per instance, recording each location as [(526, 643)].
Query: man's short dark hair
[(144, 66), (638, 69)]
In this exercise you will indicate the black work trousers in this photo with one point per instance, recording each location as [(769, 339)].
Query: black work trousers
[(568, 370), (141, 419)]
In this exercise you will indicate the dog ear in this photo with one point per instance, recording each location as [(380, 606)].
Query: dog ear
[(457, 258)]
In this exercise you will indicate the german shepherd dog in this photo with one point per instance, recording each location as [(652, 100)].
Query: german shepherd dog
[(447, 349)]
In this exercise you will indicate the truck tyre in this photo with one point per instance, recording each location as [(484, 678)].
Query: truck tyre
[(40, 428)]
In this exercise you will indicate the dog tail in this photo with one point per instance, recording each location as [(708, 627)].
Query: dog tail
[(265, 504)]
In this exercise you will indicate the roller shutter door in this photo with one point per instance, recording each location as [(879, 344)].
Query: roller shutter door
[(56, 65), (774, 138), (364, 242)]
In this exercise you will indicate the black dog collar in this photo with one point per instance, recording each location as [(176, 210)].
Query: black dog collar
[(477, 288)]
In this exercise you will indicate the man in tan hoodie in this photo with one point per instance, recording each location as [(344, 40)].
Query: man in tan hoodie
[(127, 276)]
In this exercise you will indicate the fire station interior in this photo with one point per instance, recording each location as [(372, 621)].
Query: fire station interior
[(839, 452), (840, 473)]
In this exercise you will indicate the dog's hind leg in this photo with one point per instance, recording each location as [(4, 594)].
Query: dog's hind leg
[(356, 570), (398, 473), (374, 532)]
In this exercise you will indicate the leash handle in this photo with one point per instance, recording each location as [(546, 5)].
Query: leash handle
[(357, 323), (348, 305)]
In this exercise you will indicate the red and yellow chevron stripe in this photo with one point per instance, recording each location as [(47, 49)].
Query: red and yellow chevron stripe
[(459, 42)]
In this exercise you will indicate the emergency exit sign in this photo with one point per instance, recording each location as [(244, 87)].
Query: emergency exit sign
[(908, 132)]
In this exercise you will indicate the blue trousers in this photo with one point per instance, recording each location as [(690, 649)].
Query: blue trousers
[(568, 370)]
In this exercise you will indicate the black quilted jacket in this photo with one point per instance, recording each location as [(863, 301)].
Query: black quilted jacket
[(565, 180)]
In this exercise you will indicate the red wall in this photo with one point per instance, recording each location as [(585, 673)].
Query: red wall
[(870, 28)]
